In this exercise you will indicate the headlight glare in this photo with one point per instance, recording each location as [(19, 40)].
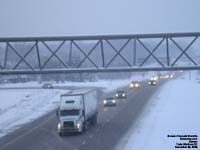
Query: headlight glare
[(78, 125), (104, 101), (59, 126)]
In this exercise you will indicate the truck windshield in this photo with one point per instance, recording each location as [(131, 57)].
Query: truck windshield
[(73, 112)]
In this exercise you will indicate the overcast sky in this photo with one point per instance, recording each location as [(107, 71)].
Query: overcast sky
[(94, 17)]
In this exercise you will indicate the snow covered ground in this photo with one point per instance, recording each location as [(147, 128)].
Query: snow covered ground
[(21, 106), (172, 111)]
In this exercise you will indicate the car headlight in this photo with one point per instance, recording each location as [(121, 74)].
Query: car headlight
[(116, 95), (104, 101), (78, 125), (113, 101), (149, 82), (59, 126), (123, 94), (131, 85), (136, 85)]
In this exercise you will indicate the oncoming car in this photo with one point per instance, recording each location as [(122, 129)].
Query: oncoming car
[(152, 82), (134, 85), (154, 78), (110, 101), (120, 95), (161, 77)]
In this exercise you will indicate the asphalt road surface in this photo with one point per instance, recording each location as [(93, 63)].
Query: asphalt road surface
[(113, 124)]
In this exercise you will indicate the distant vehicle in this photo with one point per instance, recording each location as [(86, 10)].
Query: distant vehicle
[(110, 101), (152, 82), (47, 86), (154, 78), (134, 85), (120, 95), (77, 110), (166, 76)]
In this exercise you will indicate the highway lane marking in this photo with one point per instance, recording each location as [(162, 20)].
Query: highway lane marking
[(26, 133)]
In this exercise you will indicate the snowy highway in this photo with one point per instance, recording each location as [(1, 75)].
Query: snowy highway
[(113, 124)]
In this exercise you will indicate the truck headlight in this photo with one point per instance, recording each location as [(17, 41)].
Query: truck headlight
[(104, 101), (131, 85), (59, 126), (78, 125), (113, 101), (116, 95)]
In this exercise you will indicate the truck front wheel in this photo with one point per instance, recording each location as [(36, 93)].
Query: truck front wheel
[(60, 133)]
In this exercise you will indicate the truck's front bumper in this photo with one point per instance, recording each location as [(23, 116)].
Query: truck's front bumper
[(69, 130)]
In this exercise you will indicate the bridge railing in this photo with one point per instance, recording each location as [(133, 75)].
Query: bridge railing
[(109, 53)]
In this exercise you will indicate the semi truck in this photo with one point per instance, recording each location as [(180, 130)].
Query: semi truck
[(77, 110)]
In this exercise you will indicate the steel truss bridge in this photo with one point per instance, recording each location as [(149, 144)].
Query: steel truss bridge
[(80, 54)]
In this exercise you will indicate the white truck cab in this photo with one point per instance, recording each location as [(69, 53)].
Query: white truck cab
[(77, 109)]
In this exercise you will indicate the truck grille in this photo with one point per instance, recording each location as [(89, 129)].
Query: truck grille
[(68, 124)]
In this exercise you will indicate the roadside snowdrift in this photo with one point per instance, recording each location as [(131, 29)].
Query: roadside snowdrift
[(174, 111)]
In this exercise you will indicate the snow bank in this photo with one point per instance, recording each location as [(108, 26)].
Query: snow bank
[(174, 111), (26, 84)]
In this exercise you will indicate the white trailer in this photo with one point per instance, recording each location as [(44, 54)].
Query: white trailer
[(78, 108)]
